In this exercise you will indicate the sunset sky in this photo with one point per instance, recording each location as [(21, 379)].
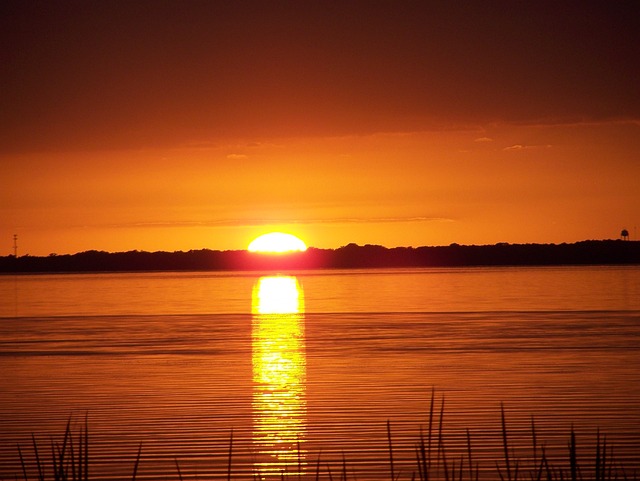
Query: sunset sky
[(178, 125)]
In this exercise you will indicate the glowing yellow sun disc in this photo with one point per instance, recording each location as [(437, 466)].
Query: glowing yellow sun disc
[(277, 242)]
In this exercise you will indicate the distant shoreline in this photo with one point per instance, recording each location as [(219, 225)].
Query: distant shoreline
[(351, 256)]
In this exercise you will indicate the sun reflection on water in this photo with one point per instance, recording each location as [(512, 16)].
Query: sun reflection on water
[(279, 375)]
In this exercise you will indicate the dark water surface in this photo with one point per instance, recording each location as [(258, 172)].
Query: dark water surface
[(316, 364)]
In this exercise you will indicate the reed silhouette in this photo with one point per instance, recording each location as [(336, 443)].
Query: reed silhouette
[(69, 459)]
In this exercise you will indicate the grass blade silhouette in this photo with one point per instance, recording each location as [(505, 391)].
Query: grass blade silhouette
[(391, 467), (137, 463), (230, 456)]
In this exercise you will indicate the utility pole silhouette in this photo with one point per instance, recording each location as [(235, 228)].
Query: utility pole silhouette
[(15, 245)]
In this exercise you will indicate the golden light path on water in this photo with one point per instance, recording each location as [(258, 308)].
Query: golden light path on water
[(279, 376)]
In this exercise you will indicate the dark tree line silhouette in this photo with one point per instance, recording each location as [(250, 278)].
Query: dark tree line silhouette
[(350, 256)]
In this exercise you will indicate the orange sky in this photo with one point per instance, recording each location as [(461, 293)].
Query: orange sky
[(178, 126)]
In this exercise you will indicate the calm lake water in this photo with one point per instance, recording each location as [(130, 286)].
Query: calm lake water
[(314, 364)]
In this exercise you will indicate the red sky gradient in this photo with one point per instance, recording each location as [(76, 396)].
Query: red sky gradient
[(185, 125)]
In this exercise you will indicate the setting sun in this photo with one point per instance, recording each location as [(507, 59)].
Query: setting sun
[(277, 242)]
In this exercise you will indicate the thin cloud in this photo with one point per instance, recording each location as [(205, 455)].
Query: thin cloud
[(514, 147), (237, 156), (240, 222), (519, 147), (483, 139)]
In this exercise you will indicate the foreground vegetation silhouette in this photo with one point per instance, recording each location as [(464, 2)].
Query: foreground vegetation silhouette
[(351, 256), (69, 459)]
